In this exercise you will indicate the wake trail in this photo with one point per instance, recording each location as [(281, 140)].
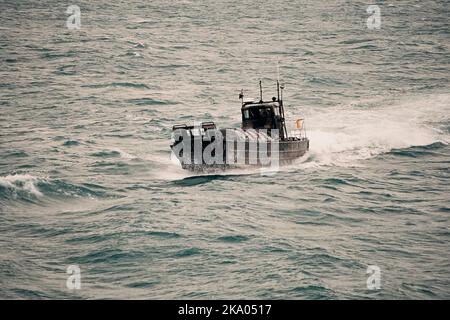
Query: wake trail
[(344, 135)]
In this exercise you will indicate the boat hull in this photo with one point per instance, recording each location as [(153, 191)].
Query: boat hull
[(238, 149)]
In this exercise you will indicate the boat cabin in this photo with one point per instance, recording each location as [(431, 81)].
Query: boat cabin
[(264, 114)]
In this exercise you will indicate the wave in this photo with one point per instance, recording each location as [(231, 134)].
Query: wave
[(118, 84), (28, 188), (113, 153), (20, 183), (150, 101), (71, 143), (418, 151), (198, 179)]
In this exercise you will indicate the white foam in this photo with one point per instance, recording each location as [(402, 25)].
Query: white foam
[(23, 182), (345, 134), (125, 155)]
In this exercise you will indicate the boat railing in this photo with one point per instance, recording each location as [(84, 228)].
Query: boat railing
[(298, 131)]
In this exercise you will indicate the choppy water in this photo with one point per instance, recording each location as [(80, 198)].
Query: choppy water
[(85, 175)]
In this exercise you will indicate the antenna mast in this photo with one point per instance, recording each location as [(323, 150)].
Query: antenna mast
[(278, 80), (278, 70), (260, 90), (280, 88)]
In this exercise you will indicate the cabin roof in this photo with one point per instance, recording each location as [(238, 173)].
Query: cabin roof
[(260, 104)]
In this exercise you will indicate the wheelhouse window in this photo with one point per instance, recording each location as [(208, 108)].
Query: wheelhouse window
[(257, 113)]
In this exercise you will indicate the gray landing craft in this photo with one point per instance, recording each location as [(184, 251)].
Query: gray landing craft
[(262, 137)]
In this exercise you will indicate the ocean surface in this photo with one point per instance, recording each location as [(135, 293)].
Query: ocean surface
[(86, 177)]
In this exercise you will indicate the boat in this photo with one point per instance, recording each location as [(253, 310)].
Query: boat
[(263, 139)]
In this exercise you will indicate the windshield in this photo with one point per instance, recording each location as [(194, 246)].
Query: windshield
[(256, 113)]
